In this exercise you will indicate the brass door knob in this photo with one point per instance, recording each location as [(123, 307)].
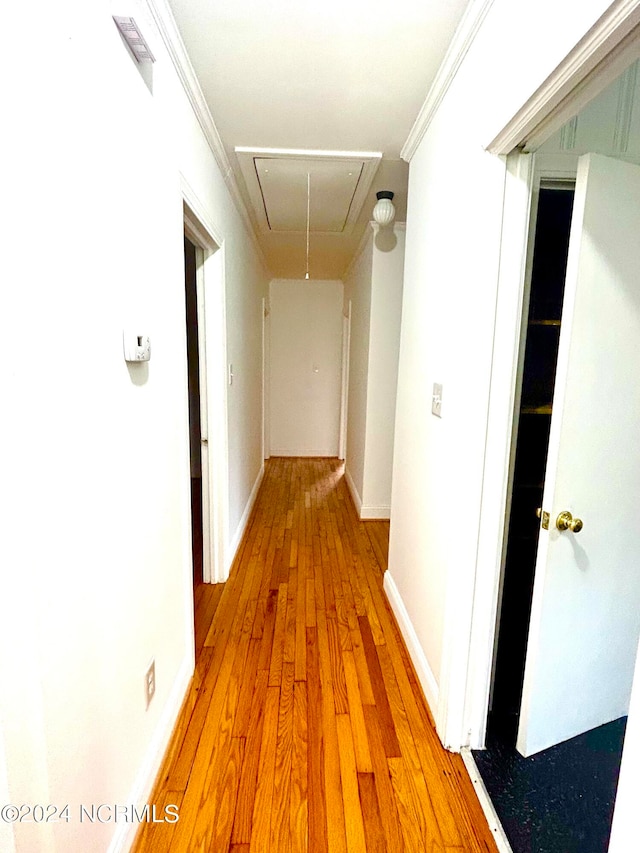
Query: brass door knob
[(565, 521)]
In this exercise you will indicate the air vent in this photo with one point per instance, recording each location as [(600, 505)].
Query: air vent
[(134, 38)]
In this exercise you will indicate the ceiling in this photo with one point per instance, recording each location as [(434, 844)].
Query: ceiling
[(346, 76)]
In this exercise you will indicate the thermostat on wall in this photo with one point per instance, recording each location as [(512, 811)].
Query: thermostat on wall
[(136, 347)]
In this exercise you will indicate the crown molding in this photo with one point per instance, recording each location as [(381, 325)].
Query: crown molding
[(598, 58), (170, 35), (463, 37)]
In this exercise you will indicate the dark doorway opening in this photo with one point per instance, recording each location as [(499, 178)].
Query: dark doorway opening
[(193, 362), (534, 421)]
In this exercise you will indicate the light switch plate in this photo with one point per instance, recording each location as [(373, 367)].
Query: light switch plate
[(436, 400)]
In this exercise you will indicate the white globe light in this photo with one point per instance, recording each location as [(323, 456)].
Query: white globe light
[(384, 211)]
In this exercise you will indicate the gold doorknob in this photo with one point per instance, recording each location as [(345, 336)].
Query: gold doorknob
[(565, 521)]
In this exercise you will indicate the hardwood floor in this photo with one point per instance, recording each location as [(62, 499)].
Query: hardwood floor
[(304, 728)]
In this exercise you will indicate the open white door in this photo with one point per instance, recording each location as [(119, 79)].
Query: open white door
[(585, 617)]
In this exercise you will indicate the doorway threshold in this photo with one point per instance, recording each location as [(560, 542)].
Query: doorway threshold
[(500, 836)]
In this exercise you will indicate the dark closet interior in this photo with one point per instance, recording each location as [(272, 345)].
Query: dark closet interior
[(560, 800), (538, 378)]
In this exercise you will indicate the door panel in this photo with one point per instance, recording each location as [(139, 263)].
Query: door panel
[(585, 616)]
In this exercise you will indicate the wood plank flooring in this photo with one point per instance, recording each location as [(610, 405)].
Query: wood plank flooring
[(304, 730)]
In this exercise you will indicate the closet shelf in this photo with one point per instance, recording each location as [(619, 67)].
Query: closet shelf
[(536, 410)]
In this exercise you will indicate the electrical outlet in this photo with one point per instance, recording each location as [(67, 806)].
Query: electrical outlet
[(436, 400), (150, 682)]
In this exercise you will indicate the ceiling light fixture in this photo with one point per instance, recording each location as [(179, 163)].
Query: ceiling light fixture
[(384, 211), (306, 276)]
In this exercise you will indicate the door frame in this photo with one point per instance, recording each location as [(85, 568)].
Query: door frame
[(210, 289), (610, 46), (344, 395), (266, 380)]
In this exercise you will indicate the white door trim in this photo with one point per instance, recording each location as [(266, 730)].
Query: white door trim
[(465, 678), (517, 231), (344, 403), (604, 52), (266, 380), (210, 285), (216, 338)]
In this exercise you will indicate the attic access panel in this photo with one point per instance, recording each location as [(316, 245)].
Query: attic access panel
[(283, 185), (277, 183)]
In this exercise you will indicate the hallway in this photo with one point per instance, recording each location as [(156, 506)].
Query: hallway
[(304, 728)]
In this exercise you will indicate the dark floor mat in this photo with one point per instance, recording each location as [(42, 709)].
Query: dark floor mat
[(560, 800)]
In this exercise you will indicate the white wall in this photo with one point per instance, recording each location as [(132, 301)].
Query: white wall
[(96, 531), (358, 293), (7, 836), (384, 350), (373, 286), (306, 367), (451, 271)]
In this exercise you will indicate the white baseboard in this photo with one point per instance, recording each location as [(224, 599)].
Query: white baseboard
[(304, 452), (365, 511), (499, 835), (354, 492), (423, 670), (368, 511), (125, 833), (234, 544)]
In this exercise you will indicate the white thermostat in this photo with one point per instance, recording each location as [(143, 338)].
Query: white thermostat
[(136, 347)]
